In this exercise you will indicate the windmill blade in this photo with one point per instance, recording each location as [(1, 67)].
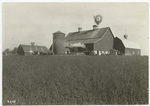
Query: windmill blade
[(98, 19)]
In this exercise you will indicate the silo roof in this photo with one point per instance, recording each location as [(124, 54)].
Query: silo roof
[(87, 34), (59, 32)]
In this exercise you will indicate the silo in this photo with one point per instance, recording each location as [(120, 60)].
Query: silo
[(59, 42)]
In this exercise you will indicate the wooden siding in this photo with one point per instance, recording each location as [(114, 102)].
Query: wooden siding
[(132, 52), (105, 43)]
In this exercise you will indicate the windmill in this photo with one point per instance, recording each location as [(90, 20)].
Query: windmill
[(98, 19)]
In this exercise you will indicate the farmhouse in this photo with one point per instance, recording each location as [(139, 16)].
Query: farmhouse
[(99, 40), (126, 47), (31, 49)]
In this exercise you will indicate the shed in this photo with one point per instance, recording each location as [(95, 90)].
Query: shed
[(31, 49), (126, 47)]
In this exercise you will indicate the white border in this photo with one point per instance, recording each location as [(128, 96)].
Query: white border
[(57, 1)]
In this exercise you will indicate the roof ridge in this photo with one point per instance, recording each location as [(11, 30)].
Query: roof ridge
[(31, 45), (88, 30), (87, 34), (84, 39)]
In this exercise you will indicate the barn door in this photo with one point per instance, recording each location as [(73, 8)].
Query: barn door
[(89, 46)]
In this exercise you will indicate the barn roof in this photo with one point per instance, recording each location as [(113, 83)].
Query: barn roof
[(85, 41), (87, 35), (27, 48), (130, 44)]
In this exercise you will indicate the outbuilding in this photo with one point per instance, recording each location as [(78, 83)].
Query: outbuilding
[(99, 40), (31, 49), (126, 47)]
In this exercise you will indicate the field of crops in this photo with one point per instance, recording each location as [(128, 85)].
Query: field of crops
[(75, 80)]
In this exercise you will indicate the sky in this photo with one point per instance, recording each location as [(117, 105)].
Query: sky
[(26, 22)]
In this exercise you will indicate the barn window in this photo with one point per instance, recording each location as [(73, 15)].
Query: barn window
[(133, 52), (99, 52), (127, 53), (106, 52), (95, 52)]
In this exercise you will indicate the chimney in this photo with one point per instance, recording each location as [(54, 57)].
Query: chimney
[(79, 29), (94, 27)]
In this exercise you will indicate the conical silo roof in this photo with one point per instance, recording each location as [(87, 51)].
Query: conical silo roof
[(59, 32)]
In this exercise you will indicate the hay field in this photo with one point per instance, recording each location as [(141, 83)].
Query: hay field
[(75, 80)]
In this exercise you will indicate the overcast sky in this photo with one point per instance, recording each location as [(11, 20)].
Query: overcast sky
[(24, 23)]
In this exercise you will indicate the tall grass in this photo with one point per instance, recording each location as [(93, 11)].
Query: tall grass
[(71, 80)]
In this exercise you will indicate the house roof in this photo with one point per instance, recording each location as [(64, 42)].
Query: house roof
[(27, 48), (130, 44), (87, 35)]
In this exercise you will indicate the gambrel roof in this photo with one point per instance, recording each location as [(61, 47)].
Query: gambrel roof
[(88, 36), (28, 48)]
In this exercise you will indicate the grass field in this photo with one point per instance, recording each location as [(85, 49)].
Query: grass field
[(75, 80)]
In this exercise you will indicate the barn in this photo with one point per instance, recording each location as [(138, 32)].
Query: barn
[(99, 40), (31, 49), (126, 47)]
